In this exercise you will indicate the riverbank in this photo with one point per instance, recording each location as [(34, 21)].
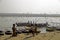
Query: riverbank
[(41, 36)]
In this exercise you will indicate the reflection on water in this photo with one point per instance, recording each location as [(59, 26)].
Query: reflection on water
[(6, 22)]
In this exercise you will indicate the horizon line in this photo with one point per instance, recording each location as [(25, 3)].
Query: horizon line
[(29, 15)]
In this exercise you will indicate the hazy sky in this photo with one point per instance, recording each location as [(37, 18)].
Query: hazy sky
[(30, 6)]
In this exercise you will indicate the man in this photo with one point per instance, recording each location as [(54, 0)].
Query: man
[(14, 30), (32, 31)]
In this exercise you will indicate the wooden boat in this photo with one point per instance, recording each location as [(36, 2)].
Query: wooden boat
[(1, 32), (18, 31), (58, 29), (50, 29), (8, 32)]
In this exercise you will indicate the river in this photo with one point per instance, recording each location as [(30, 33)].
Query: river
[(6, 22)]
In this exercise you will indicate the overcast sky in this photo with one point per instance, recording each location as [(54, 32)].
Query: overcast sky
[(30, 6)]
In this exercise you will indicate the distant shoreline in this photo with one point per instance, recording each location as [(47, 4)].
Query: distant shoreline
[(29, 15)]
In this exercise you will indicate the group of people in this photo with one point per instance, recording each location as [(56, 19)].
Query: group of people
[(33, 30)]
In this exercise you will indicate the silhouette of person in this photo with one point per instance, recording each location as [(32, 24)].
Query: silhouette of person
[(33, 31), (14, 30)]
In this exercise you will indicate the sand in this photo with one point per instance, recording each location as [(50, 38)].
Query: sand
[(41, 36)]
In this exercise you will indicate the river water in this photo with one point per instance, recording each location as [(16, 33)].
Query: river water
[(6, 22)]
